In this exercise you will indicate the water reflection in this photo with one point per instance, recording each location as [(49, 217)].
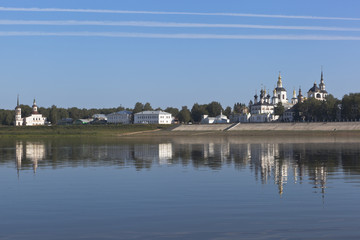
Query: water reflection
[(30, 151), (270, 163)]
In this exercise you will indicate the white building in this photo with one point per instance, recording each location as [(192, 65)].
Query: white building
[(152, 117), (242, 118), (263, 110), (35, 119), (280, 94), (99, 116), (316, 92), (123, 117), (213, 120)]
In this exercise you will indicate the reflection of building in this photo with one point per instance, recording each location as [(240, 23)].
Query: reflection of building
[(320, 177), (219, 151), (165, 152), (34, 151), (152, 152), (19, 154)]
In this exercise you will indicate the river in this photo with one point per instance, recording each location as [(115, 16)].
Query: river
[(180, 188)]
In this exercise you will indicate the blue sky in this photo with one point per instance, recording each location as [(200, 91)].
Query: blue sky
[(168, 65)]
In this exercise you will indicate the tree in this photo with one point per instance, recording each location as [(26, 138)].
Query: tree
[(350, 106), (279, 109), (174, 111), (214, 109), (138, 107), (184, 115), (147, 107), (239, 108), (197, 111), (53, 116), (227, 111), (329, 108), (25, 110)]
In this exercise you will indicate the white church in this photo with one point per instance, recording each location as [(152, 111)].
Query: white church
[(35, 119), (262, 109)]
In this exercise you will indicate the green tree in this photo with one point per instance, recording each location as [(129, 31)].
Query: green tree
[(138, 107), (214, 109), (147, 107), (9, 118), (74, 113), (174, 111), (25, 110), (227, 111), (197, 111), (184, 115), (239, 108), (53, 116), (279, 109), (350, 106)]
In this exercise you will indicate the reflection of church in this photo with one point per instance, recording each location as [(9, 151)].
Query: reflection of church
[(33, 151)]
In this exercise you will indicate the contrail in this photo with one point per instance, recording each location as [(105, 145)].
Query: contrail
[(175, 13), (171, 24), (180, 36)]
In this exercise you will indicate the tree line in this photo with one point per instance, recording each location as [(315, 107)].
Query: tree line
[(310, 110)]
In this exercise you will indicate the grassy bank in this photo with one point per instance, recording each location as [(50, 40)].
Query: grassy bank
[(78, 130)]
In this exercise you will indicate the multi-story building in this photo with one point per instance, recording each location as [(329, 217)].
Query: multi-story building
[(123, 117), (152, 117)]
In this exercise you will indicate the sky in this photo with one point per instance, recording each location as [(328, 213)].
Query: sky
[(107, 53)]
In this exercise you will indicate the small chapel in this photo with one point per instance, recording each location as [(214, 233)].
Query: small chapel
[(35, 119)]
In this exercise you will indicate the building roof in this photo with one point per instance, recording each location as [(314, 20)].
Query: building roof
[(98, 115), (121, 112), (280, 89), (314, 88), (264, 103), (153, 112)]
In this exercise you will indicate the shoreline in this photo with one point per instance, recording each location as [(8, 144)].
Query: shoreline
[(328, 129)]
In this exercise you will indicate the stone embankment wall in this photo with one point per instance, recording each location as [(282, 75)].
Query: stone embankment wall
[(313, 126), (203, 127)]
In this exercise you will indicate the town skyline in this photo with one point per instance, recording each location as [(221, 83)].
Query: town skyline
[(103, 55)]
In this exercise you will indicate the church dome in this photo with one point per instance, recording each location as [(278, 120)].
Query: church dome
[(314, 88)]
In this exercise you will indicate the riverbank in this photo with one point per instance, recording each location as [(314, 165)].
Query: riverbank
[(149, 130), (79, 130), (293, 127)]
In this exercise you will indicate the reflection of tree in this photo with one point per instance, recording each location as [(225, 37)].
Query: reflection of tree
[(278, 163)]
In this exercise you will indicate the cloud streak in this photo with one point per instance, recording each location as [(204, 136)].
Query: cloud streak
[(171, 25), (180, 36), (175, 13)]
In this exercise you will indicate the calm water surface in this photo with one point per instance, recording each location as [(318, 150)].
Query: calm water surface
[(180, 188)]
